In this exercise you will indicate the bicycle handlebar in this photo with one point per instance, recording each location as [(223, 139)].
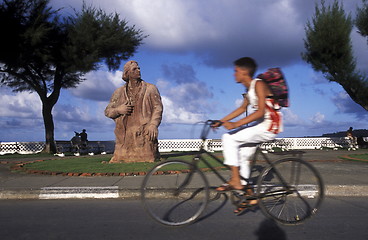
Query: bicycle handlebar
[(207, 126)]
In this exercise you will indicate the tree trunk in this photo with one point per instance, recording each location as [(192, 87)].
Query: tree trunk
[(49, 127), (355, 99), (48, 104), (357, 91)]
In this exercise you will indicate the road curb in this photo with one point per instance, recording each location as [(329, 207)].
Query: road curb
[(20, 194), (114, 192), (347, 190)]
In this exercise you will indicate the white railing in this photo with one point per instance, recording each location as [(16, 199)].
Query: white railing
[(21, 147), (193, 144), (282, 143), (36, 147)]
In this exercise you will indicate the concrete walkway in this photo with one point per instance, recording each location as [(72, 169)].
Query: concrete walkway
[(341, 178)]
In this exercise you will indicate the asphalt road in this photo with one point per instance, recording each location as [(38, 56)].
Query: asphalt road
[(339, 218)]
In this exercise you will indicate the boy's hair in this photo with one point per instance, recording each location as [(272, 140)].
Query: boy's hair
[(248, 63)]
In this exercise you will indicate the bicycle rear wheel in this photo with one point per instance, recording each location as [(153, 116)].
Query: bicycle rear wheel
[(175, 193), (295, 203)]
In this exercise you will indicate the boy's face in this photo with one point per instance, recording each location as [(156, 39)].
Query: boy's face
[(240, 74)]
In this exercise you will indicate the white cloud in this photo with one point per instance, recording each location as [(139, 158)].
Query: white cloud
[(83, 115), (170, 24), (290, 118), (219, 31), (162, 84), (174, 113), (183, 103), (185, 98), (68, 113), (99, 85), (318, 118), (360, 49), (22, 105)]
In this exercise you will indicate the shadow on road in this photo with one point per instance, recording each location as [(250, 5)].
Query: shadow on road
[(269, 230), (216, 202)]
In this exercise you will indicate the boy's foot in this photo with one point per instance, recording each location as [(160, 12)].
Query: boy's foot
[(224, 188), (244, 206), (228, 187)]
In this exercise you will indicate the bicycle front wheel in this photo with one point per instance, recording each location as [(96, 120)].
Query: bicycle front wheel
[(290, 191), (175, 193)]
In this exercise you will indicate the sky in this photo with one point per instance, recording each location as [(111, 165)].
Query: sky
[(188, 55)]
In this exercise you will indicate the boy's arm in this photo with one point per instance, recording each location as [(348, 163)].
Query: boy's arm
[(259, 113), (236, 112)]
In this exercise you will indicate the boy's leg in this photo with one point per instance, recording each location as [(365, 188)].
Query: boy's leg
[(246, 154), (231, 156), (239, 158), (238, 151), (235, 180), (230, 150)]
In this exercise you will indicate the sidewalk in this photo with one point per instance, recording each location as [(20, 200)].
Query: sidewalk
[(341, 178)]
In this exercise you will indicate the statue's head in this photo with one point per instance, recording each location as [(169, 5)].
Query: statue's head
[(131, 70)]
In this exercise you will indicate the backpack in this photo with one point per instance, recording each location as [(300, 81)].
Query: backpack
[(275, 79)]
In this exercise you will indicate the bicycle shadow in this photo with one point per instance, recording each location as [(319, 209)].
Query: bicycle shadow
[(219, 200), (211, 208), (267, 230), (216, 202)]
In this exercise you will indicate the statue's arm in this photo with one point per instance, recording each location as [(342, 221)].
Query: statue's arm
[(157, 107), (111, 111)]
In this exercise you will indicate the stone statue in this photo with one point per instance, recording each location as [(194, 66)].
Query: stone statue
[(136, 109)]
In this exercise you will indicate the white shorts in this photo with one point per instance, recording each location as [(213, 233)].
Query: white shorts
[(240, 145)]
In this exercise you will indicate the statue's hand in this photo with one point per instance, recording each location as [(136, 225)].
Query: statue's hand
[(125, 109), (152, 132)]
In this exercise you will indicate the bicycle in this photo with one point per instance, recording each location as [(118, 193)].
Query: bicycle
[(176, 192)]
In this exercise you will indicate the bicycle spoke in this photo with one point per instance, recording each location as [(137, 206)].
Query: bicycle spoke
[(172, 197), (176, 192), (298, 186)]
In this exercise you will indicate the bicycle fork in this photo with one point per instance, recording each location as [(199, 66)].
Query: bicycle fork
[(186, 181)]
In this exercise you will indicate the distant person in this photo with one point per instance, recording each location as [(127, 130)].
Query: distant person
[(351, 139), (84, 137), (349, 133), (136, 109), (76, 141)]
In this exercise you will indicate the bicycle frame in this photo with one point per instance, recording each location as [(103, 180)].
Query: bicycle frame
[(275, 182), (258, 151), (198, 157)]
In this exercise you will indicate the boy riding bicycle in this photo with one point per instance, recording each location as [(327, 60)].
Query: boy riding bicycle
[(241, 142)]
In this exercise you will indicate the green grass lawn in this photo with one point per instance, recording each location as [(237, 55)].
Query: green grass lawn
[(363, 157), (94, 164), (26, 156)]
